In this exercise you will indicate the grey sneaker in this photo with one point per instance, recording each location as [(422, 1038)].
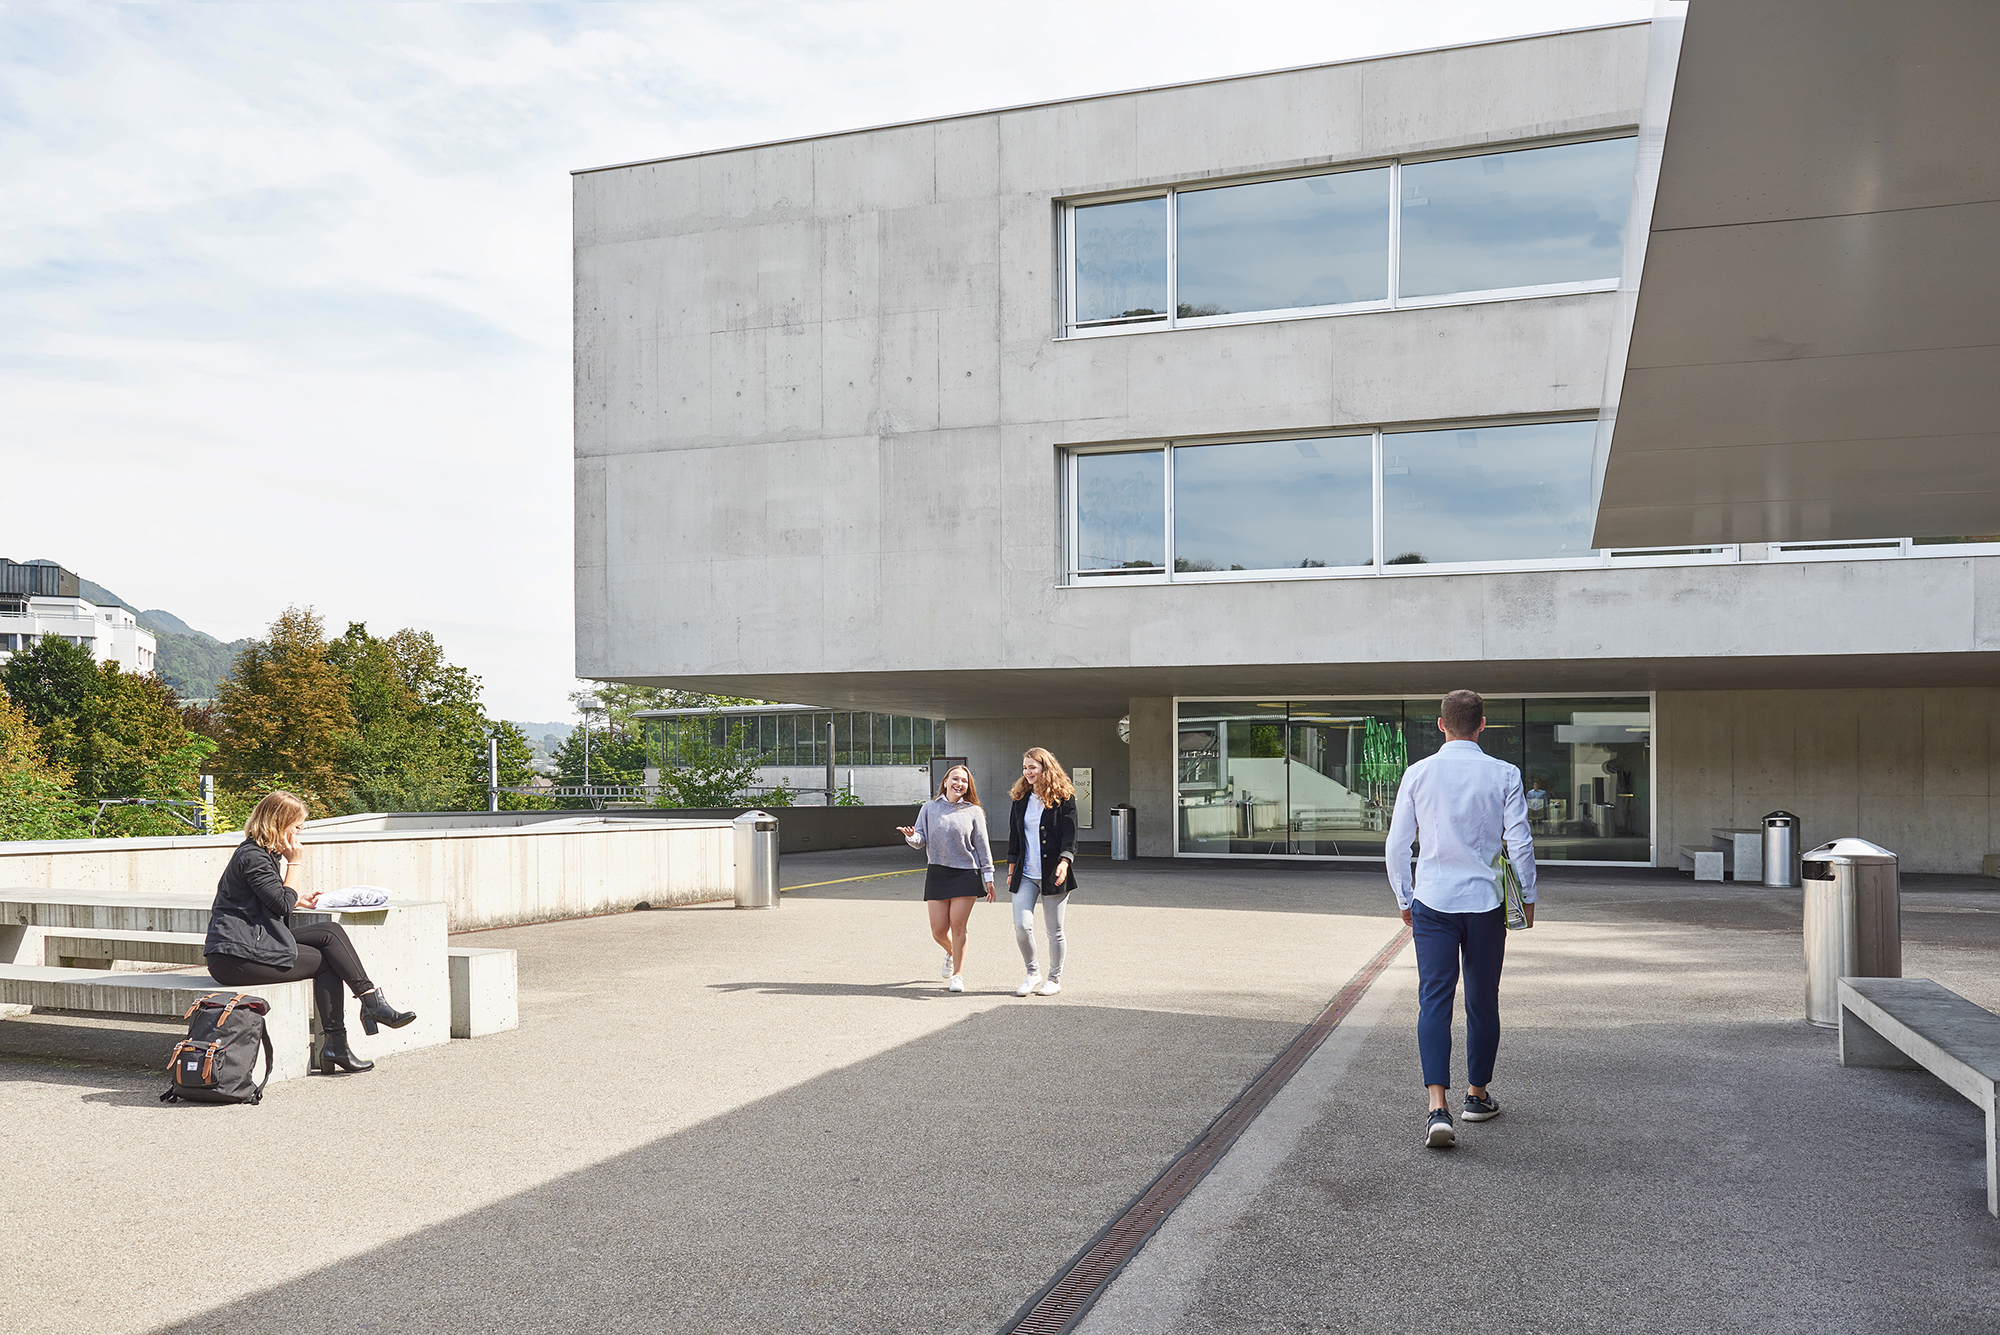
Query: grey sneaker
[(1480, 1108), (1437, 1130)]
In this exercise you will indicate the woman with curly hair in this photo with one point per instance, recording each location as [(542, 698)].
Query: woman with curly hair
[(1041, 839)]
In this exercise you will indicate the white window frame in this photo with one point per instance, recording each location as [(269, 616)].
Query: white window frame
[(1068, 328)]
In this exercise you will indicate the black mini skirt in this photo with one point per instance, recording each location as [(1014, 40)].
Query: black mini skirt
[(954, 883)]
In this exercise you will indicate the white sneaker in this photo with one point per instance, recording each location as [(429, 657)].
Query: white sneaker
[(957, 983), (1048, 989), (1027, 985), (945, 971)]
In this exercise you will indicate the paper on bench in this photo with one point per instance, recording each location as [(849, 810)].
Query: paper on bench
[(353, 897)]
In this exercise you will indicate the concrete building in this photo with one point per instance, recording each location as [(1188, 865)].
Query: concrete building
[(1206, 434), (38, 599)]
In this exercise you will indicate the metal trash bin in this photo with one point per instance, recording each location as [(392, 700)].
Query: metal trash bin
[(1854, 921), (1124, 832), (1781, 850), (756, 860)]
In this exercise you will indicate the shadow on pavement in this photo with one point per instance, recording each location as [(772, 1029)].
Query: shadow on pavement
[(934, 1187)]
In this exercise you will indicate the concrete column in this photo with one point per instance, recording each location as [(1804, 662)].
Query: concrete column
[(1153, 774)]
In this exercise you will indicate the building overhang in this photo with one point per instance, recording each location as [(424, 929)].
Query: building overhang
[(1815, 348)]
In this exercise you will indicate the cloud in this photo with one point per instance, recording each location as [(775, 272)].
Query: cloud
[(287, 286)]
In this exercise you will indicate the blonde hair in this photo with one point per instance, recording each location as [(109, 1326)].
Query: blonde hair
[(971, 788), (278, 812), (1054, 785)]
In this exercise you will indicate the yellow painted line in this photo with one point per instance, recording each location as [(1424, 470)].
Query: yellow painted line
[(878, 876)]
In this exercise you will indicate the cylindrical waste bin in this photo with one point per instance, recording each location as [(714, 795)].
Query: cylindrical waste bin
[(1781, 850), (1124, 832), (1854, 921), (756, 860)]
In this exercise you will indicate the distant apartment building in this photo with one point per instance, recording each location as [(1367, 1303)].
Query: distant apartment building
[(39, 599)]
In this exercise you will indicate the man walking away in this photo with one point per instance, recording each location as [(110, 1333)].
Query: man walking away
[(1460, 803)]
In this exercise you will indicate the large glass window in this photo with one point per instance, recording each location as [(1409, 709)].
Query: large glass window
[(1274, 505), (1120, 513), (1279, 245), (1121, 261), (1507, 493), (1456, 496), (1320, 777), (1533, 218), (1522, 222)]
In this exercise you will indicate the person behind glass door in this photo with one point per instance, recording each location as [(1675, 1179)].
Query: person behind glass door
[(951, 828), (251, 940), (1041, 839)]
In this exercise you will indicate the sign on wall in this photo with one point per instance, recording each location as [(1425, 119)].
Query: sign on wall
[(1080, 777)]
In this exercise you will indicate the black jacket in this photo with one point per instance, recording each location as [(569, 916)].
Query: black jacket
[(1058, 836), (251, 918)]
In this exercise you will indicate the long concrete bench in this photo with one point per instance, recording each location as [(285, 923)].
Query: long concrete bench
[(97, 949), (485, 991), (1904, 1023), (402, 944), (165, 996)]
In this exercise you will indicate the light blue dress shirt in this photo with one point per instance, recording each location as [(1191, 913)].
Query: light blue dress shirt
[(1462, 803)]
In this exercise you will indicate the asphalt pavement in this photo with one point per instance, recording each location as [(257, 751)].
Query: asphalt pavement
[(725, 1120)]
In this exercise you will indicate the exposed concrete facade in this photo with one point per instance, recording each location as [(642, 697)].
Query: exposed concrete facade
[(822, 399)]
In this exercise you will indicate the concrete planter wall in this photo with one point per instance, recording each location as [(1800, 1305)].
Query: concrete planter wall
[(519, 873)]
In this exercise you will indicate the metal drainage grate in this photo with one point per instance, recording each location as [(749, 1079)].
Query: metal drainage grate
[(1062, 1304)]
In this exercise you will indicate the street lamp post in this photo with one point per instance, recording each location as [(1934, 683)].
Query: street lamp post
[(587, 706)]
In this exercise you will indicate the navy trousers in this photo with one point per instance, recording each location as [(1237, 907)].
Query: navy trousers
[(1443, 941)]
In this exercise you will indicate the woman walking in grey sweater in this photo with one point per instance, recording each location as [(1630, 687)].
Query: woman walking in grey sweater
[(952, 829)]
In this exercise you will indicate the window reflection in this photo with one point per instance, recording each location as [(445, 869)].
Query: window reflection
[(1321, 777), (1510, 493), (1121, 261), (1520, 219), (1280, 245), (1273, 504), (1121, 513)]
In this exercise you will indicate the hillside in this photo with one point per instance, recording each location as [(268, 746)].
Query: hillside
[(190, 661)]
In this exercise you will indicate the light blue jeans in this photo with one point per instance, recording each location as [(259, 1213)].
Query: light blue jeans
[(1053, 909)]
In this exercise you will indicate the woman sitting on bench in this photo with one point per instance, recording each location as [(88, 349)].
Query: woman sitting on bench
[(251, 939)]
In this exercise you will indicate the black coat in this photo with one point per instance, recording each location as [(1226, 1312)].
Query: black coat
[(251, 918), (1058, 836)]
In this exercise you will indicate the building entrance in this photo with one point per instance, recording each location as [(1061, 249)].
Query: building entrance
[(1318, 778)]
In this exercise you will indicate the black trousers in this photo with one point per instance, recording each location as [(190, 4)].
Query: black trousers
[(325, 955)]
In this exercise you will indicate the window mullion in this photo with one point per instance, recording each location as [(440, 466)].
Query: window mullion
[(1167, 509), (1379, 445), (1395, 234), (1173, 258)]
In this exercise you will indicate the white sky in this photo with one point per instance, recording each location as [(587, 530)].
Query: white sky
[(286, 288)]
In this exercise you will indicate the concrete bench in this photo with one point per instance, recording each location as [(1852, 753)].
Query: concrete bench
[(164, 996), (1742, 852), (402, 943), (97, 949), (485, 991), (1904, 1023), (1705, 863)]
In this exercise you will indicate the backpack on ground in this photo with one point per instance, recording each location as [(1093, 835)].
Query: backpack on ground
[(215, 1062)]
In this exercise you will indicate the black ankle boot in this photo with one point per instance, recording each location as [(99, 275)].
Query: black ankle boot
[(375, 1009), (334, 1052)]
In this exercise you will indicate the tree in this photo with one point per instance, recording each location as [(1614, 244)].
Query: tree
[(614, 759), (621, 702), (50, 679), (34, 795), (517, 769), (286, 716), (128, 740), (709, 775)]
